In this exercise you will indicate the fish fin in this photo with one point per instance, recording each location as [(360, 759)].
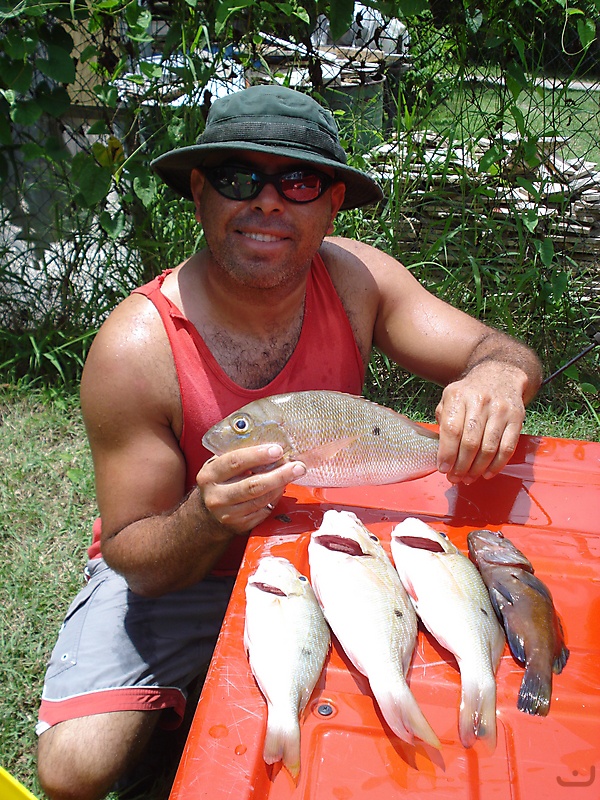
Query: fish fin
[(324, 452), (536, 584), (536, 690), (403, 714), (500, 597), (410, 589), (282, 741), (477, 715), (560, 660)]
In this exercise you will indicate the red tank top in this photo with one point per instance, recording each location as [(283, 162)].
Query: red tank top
[(326, 357)]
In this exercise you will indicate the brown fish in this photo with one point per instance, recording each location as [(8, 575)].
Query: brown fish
[(343, 440), (525, 607)]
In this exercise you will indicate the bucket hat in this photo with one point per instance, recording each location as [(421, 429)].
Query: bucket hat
[(268, 119)]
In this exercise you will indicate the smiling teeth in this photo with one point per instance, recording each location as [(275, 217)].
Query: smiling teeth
[(262, 237)]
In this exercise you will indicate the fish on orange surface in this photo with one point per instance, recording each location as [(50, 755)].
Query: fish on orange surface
[(342, 439), (453, 603), (525, 607), (287, 641), (368, 610)]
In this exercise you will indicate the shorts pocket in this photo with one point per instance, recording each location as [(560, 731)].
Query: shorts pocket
[(66, 650)]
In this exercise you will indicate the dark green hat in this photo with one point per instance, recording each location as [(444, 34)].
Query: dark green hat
[(268, 119)]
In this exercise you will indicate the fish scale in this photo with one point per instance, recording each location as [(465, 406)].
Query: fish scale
[(342, 439)]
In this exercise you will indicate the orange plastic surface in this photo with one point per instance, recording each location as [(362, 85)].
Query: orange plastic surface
[(547, 501)]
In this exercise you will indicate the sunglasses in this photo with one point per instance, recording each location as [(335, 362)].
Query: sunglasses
[(244, 183)]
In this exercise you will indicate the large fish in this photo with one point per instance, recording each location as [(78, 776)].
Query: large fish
[(524, 605), (369, 612), (452, 601), (343, 440), (287, 640)]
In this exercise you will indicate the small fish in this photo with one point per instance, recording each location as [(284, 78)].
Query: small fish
[(525, 608), (369, 612), (287, 640), (452, 601), (343, 440)]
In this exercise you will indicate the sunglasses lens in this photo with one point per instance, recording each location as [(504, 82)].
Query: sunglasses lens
[(301, 187), (237, 183)]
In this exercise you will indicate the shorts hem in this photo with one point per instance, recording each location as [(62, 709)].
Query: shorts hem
[(142, 698)]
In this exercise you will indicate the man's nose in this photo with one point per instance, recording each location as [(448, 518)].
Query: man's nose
[(268, 199)]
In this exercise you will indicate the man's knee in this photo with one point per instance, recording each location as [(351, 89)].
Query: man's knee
[(82, 759)]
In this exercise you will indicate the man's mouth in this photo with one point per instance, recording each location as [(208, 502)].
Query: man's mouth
[(263, 237)]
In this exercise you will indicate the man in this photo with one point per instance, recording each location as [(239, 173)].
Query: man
[(271, 305)]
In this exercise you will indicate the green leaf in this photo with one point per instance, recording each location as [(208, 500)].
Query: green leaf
[(528, 186), (26, 112), (341, 16), (107, 95), (53, 101), (530, 219), (145, 188), (560, 281), (93, 181), (545, 249), (151, 70), (59, 66), (17, 75), (588, 388), (113, 225), (586, 28), (519, 119), (98, 128), (490, 158), (516, 80)]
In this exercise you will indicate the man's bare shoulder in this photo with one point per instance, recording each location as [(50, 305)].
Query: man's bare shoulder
[(130, 366)]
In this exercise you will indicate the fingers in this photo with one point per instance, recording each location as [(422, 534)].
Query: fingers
[(478, 433), (241, 488)]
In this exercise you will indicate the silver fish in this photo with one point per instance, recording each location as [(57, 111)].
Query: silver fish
[(287, 641), (524, 606), (368, 610), (452, 601), (343, 440)]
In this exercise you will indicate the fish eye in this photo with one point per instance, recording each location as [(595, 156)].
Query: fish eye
[(373, 537), (241, 425), (302, 578)]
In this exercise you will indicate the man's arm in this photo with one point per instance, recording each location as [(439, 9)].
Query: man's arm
[(152, 533), (488, 376)]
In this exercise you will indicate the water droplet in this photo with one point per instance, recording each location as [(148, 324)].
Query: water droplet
[(240, 749), (218, 731)]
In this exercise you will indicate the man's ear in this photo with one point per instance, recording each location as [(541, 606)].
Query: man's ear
[(197, 181), (338, 192)]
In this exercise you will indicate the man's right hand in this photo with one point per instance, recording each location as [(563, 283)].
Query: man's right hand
[(240, 488)]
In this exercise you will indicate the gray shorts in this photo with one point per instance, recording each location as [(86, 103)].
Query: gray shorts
[(117, 651)]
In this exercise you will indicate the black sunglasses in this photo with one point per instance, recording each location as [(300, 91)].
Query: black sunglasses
[(245, 183)]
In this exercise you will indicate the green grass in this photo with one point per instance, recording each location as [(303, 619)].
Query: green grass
[(46, 510)]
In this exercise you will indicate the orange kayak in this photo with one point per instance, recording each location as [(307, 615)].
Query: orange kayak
[(547, 502)]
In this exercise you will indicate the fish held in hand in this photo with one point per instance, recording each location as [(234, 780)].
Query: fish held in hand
[(287, 641), (454, 605), (343, 440), (525, 607), (368, 610)]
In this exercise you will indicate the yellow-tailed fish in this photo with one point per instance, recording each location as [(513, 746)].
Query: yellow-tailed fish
[(370, 614), (343, 440), (287, 640), (525, 607), (454, 605)]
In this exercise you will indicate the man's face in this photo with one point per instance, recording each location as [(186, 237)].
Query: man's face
[(265, 241)]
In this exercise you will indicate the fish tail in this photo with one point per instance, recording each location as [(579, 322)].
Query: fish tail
[(282, 741), (403, 714), (560, 660), (536, 688), (477, 715)]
